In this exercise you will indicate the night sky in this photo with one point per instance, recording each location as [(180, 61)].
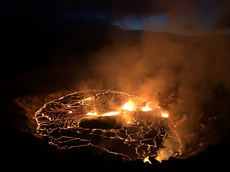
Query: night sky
[(68, 17), (44, 26)]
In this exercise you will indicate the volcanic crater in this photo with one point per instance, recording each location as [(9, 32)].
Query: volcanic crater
[(111, 121)]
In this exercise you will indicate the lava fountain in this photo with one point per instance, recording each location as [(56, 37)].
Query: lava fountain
[(112, 121)]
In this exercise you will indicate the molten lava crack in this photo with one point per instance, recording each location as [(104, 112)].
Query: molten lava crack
[(112, 121)]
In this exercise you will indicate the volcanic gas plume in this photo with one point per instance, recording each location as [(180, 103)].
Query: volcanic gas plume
[(114, 122), (189, 76)]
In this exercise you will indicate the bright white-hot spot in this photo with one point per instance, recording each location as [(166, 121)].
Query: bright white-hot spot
[(110, 114), (158, 107), (128, 106), (146, 109), (92, 113), (146, 159), (165, 115), (105, 114), (89, 98)]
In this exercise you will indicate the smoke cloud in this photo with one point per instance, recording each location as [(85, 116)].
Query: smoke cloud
[(223, 21), (188, 76)]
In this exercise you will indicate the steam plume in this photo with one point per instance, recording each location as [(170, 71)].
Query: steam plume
[(180, 73)]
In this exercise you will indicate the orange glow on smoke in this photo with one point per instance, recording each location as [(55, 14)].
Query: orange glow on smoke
[(128, 106)]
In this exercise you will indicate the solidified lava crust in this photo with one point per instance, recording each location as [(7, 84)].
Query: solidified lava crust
[(64, 123)]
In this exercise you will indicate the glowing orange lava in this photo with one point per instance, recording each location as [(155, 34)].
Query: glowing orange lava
[(165, 115), (110, 114), (128, 106), (135, 131), (92, 113), (146, 159), (89, 98), (146, 109)]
